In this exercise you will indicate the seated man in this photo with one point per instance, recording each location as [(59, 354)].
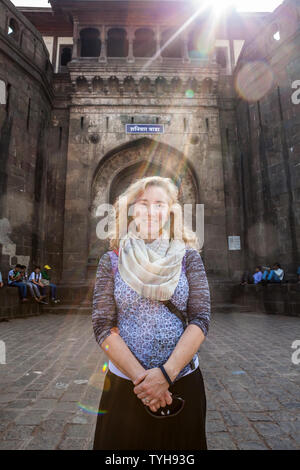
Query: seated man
[(15, 280), (298, 274), (33, 288), (35, 278), (257, 276), (273, 275), (1, 281), (46, 280)]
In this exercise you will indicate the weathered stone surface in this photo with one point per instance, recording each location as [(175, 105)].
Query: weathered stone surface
[(64, 149), (231, 423)]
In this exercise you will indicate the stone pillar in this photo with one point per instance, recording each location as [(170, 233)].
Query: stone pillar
[(75, 38), (76, 220), (231, 50), (157, 38), (54, 54), (186, 58), (130, 35), (103, 53), (213, 55)]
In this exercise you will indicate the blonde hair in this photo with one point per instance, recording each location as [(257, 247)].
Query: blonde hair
[(132, 193)]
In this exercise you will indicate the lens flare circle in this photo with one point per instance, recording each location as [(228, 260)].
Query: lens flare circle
[(254, 80), (90, 409), (189, 93)]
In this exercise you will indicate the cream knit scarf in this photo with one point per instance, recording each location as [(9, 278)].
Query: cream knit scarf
[(151, 269)]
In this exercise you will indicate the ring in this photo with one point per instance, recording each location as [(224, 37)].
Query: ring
[(146, 400)]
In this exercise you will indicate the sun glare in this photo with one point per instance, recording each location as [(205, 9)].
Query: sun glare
[(242, 5)]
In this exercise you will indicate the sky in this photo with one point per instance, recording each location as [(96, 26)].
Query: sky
[(242, 5)]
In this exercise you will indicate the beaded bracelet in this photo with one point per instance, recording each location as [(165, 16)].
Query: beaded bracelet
[(166, 375)]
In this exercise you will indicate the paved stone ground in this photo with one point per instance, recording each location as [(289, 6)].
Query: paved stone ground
[(52, 380)]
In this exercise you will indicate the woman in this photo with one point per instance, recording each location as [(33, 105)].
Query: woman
[(150, 354)]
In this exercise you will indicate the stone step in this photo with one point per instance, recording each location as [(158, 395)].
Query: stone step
[(73, 309), (228, 307), (87, 309)]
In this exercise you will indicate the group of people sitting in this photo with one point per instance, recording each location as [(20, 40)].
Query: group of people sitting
[(265, 275), (36, 283)]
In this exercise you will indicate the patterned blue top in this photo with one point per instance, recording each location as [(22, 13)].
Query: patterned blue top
[(147, 326)]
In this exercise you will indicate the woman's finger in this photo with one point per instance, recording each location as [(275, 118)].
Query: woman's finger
[(168, 397), (154, 408), (153, 402)]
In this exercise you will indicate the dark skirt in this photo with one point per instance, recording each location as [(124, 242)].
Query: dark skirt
[(126, 425)]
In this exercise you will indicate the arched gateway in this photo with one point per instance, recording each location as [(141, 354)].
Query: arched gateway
[(135, 159)]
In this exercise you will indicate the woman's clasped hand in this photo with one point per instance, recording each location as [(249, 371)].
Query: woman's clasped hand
[(152, 386)]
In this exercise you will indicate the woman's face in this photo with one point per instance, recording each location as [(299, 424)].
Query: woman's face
[(151, 212)]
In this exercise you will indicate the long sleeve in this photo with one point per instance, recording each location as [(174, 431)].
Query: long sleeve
[(198, 306), (104, 314)]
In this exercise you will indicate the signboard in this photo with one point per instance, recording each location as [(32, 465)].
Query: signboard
[(234, 243), (144, 128)]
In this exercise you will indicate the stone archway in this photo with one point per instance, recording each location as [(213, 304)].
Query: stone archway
[(142, 157)]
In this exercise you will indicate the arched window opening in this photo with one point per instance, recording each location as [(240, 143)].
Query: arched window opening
[(82, 84), (207, 85), (275, 31), (192, 84), (13, 29), (176, 85), (144, 43), (117, 43), (65, 56), (129, 85), (145, 84), (98, 84), (174, 47), (90, 42), (161, 85), (113, 84)]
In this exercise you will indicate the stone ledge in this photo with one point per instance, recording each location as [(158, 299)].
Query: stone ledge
[(11, 307), (226, 297)]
